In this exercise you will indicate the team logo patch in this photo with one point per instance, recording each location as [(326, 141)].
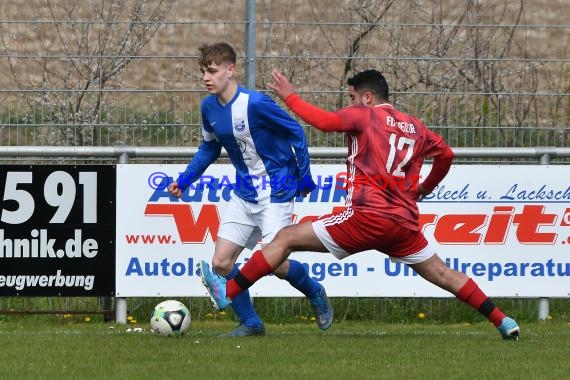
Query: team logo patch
[(239, 124)]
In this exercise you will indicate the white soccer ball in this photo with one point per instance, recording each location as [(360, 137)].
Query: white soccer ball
[(170, 318)]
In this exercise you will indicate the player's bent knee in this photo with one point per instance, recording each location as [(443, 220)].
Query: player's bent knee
[(222, 266)]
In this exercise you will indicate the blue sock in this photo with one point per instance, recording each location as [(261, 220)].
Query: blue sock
[(299, 278), (242, 305)]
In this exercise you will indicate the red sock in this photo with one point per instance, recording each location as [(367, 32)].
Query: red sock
[(474, 297), (253, 270)]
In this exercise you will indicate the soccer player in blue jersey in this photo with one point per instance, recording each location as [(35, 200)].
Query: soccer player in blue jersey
[(269, 151)]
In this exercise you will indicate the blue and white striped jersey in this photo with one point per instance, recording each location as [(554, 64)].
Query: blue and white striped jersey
[(267, 147)]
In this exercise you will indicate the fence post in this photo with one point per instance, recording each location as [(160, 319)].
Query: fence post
[(250, 44), (543, 302), (107, 314), (120, 302)]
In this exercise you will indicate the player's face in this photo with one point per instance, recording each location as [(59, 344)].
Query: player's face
[(217, 77), (358, 99), (355, 97)]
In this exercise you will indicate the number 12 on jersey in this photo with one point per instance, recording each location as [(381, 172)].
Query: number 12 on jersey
[(398, 144)]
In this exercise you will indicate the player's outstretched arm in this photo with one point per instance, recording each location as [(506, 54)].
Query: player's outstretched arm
[(208, 152), (321, 119)]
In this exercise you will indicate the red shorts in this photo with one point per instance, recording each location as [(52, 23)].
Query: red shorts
[(356, 232)]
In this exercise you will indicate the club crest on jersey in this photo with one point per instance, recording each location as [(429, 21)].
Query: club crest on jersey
[(239, 124)]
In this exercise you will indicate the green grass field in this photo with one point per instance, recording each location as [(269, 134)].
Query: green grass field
[(352, 350)]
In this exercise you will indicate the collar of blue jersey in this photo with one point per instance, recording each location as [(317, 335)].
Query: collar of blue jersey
[(239, 89)]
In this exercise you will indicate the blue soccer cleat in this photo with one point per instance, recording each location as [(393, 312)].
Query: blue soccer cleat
[(509, 329), (243, 330), (322, 309), (216, 286)]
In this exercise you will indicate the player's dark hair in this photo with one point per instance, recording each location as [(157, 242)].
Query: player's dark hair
[(370, 80), (217, 53)]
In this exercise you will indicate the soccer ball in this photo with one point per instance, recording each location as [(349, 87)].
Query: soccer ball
[(170, 318)]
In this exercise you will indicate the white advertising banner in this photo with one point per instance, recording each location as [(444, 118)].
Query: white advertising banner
[(507, 227)]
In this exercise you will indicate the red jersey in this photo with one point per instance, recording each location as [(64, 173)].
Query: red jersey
[(386, 150)]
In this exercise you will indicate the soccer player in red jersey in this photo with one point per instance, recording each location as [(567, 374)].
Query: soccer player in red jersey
[(386, 149)]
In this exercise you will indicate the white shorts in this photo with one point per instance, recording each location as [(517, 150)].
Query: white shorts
[(246, 224)]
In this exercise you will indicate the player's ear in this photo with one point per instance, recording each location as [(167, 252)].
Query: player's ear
[(368, 99), (231, 70)]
